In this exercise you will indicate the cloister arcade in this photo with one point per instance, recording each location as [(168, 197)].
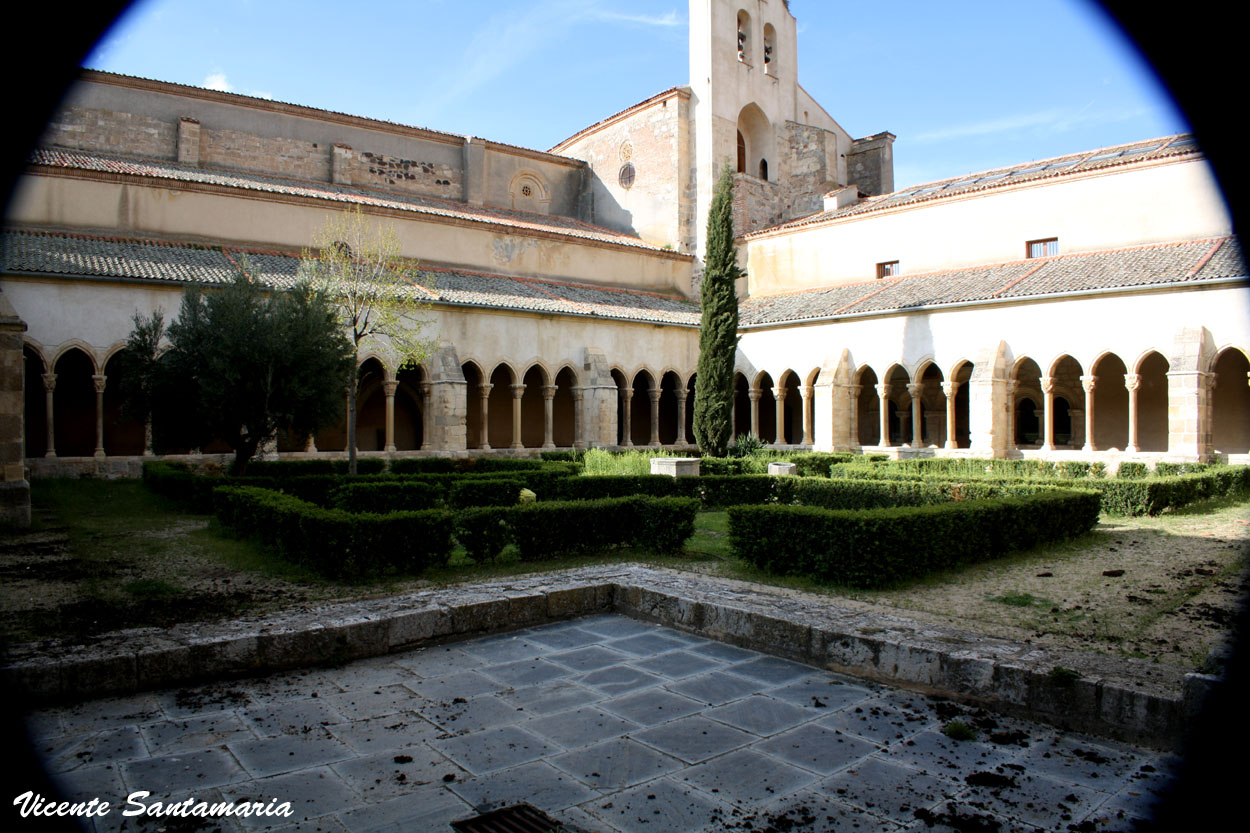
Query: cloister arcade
[(1104, 404)]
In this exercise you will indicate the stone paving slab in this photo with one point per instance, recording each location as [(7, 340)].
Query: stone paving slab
[(1128, 699), (792, 746)]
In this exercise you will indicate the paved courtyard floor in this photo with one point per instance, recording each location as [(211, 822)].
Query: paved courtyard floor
[(607, 724)]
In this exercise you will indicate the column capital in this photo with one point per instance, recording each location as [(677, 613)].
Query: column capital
[(627, 393), (754, 394), (578, 392), (1132, 381), (485, 388), (549, 391), (914, 389), (390, 386), (681, 394), (779, 391), (49, 382), (1047, 384), (654, 393), (854, 390), (806, 391), (882, 390), (1088, 382), (99, 380), (518, 391), (949, 388)]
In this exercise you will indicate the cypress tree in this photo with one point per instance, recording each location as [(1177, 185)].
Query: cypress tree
[(718, 331)]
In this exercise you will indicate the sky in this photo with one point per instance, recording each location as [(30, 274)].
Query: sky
[(965, 85)]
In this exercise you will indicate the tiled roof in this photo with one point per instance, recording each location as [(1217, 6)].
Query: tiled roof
[(80, 255), (1090, 160), (1141, 266), (431, 206)]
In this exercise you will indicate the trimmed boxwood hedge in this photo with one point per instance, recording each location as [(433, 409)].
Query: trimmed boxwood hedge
[(333, 542), (386, 496), (547, 530), (873, 548)]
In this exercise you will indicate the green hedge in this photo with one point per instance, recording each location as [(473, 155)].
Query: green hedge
[(1145, 496), (386, 496), (547, 530), (872, 548), (594, 487), (333, 542), (1132, 471), (502, 491), (297, 468)]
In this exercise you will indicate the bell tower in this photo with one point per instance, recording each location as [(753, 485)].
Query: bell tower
[(749, 111)]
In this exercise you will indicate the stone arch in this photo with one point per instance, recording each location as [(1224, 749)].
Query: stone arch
[(961, 432), (742, 405), (897, 405), (790, 431), (1152, 402), (622, 388), (533, 408), (82, 347), (499, 406), (1230, 402), (1110, 401), (757, 129), (74, 402), (528, 191), (1028, 402), (867, 408), (410, 398), (1069, 402), (372, 375), (932, 403), (770, 49), (123, 435), (765, 407), (563, 411), (671, 422), (640, 407), (474, 379), (688, 436), (35, 417), (743, 36)]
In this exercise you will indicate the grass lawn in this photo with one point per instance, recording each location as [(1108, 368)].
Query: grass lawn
[(104, 555)]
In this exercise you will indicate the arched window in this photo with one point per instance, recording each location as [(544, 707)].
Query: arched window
[(742, 153), (764, 169), (744, 36), (770, 56)]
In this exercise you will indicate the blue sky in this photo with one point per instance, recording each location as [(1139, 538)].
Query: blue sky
[(965, 85)]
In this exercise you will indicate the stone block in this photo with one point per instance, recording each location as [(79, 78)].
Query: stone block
[(527, 609), (782, 469), (225, 654), (35, 681), (412, 628), (98, 673), (169, 664), (480, 616), (676, 466), (564, 602)]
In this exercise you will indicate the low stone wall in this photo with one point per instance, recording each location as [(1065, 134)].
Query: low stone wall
[(1126, 699)]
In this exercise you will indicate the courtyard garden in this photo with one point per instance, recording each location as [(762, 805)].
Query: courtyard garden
[(1146, 563)]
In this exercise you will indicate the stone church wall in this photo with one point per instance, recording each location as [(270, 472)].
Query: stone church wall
[(106, 131)]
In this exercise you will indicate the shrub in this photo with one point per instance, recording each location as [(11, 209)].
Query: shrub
[(386, 496), (745, 445), (872, 548), (551, 529), (484, 492), (1132, 471), (483, 532), (593, 487)]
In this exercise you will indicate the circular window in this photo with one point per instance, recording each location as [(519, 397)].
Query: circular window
[(627, 152), (626, 177), (527, 191)]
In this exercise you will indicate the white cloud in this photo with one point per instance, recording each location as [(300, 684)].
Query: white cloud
[(216, 81), (669, 19), (1054, 120)]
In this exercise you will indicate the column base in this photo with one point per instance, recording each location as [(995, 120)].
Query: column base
[(99, 454)]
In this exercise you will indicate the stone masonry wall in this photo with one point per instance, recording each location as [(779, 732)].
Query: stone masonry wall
[(236, 150), (364, 169), (104, 131), (807, 177)]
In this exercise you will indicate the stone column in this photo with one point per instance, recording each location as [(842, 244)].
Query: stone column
[(1132, 382), (950, 389), (389, 387), (49, 385), (14, 487), (852, 393), (882, 390), (1011, 414), (779, 399), (147, 437), (549, 393), (754, 395), (579, 440), (682, 439), (484, 418), (517, 392), (1088, 383), (1048, 412), (310, 445), (627, 397), (654, 393), (347, 413), (806, 392), (915, 389), (99, 380)]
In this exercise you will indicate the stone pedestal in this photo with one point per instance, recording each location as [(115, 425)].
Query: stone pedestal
[(675, 466)]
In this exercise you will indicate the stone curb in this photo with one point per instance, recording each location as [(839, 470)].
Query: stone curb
[(1125, 699)]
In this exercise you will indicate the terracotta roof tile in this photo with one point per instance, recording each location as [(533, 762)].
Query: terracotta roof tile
[(1141, 266), (513, 220), (72, 255)]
